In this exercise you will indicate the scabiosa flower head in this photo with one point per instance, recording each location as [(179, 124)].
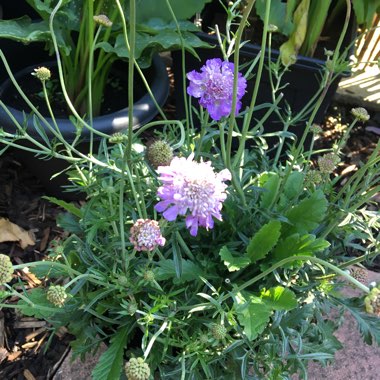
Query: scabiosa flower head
[(57, 295), (6, 269), (214, 86), (193, 189), (137, 369), (218, 331), (145, 235), (103, 20)]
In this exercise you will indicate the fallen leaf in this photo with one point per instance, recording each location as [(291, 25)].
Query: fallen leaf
[(12, 232)]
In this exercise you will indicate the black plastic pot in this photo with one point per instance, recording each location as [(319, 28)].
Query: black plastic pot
[(144, 111)]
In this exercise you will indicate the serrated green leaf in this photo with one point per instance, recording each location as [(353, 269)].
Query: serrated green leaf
[(37, 309), (65, 205), (233, 263), (111, 362), (253, 314), (307, 215), (264, 240), (279, 298), (299, 245)]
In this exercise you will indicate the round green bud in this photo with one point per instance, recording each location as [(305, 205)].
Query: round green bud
[(57, 295), (117, 138), (6, 269), (316, 129), (132, 308), (159, 153), (42, 73), (372, 302), (137, 369), (360, 113), (149, 275), (218, 331), (313, 177), (272, 28)]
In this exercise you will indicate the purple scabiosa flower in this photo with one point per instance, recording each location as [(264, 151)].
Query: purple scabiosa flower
[(214, 86), (193, 189), (145, 235)]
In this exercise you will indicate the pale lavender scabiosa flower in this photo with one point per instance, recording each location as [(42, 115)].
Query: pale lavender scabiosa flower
[(145, 235), (214, 86), (193, 189)]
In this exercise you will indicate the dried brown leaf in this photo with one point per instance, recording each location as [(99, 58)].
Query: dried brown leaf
[(12, 232)]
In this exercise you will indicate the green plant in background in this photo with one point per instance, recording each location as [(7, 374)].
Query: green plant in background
[(89, 39), (203, 255), (304, 20)]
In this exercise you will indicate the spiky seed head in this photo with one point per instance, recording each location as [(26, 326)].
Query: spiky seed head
[(360, 113), (359, 274), (137, 369), (42, 73), (132, 308), (6, 269), (57, 295), (103, 20), (149, 275), (203, 339), (123, 281), (218, 331), (159, 153), (372, 301), (328, 162)]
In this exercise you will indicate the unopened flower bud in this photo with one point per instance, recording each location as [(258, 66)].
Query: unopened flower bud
[(159, 153), (57, 295), (218, 331), (372, 302), (360, 113), (329, 53), (132, 308), (272, 28), (137, 369), (316, 129), (149, 276), (313, 177), (42, 73), (145, 235), (117, 138), (327, 163), (103, 20), (6, 269)]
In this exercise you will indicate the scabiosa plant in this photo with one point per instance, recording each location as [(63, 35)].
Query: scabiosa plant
[(214, 87), (193, 189), (145, 235)]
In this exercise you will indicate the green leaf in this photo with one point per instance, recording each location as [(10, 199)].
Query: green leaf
[(48, 269), (167, 270), (233, 263), (69, 223), (67, 206), (279, 298), (111, 362), (277, 15), (264, 240), (365, 10), (294, 185), (253, 314), (270, 182), (299, 245), (39, 302), (307, 215)]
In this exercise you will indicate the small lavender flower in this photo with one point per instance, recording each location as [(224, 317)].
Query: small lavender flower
[(145, 235), (193, 189), (214, 86)]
